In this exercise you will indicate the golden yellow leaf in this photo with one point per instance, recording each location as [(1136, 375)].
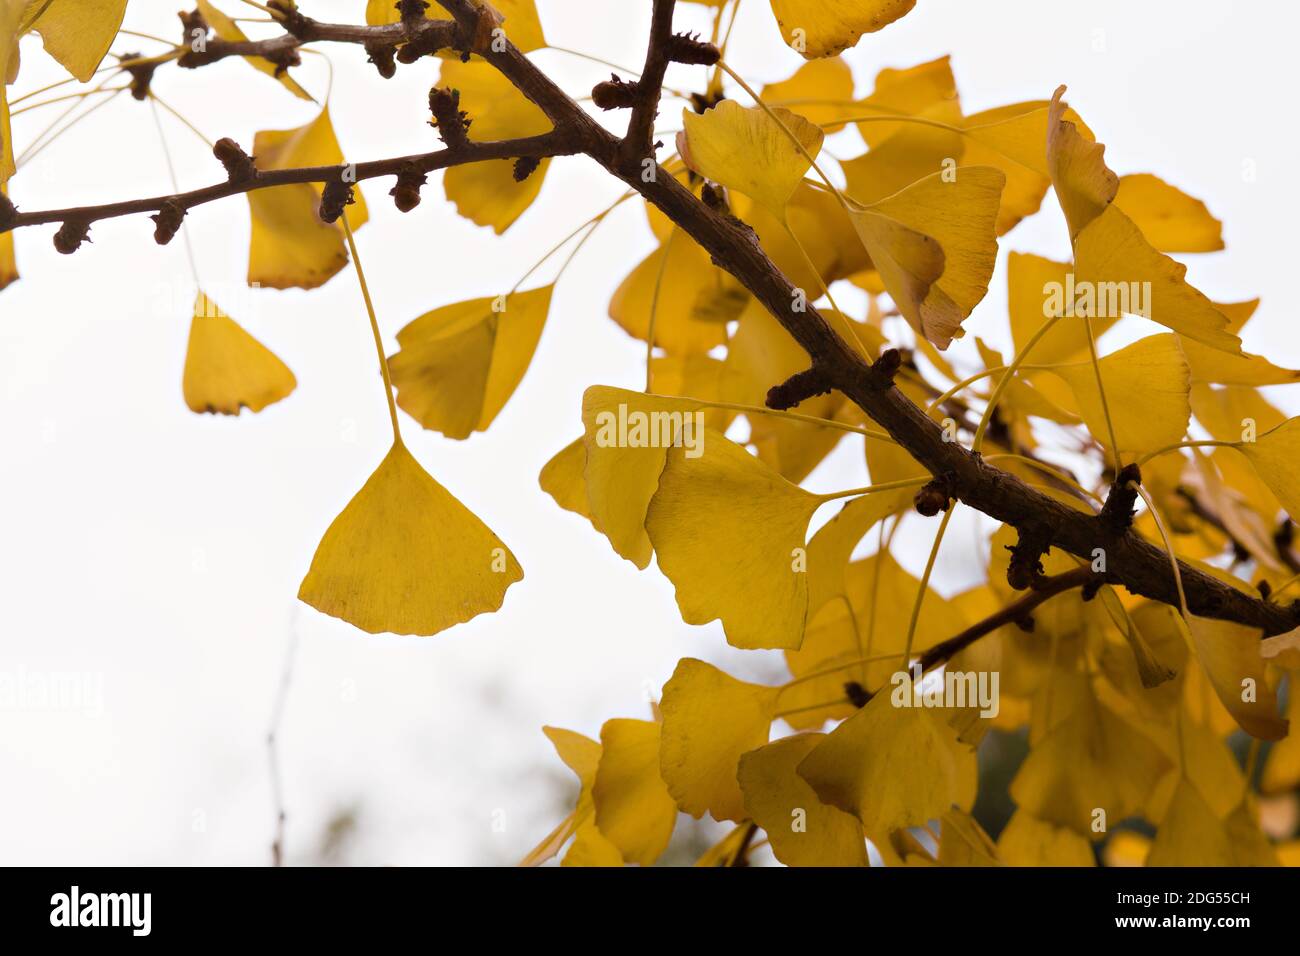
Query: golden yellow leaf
[(226, 28), (1028, 841), (935, 247), (1084, 184), (11, 19), (627, 436), (1111, 253), (925, 89), (291, 247), (1011, 138), (406, 557), (487, 193), (729, 533), (314, 144), (459, 365), (750, 150), (801, 829), (1171, 220), (832, 546), (1276, 457), (79, 34), (963, 842), (1034, 285), (821, 91), (581, 755), (1230, 655), (591, 848), (690, 289), (1146, 387), (1223, 368), (226, 369), (1191, 834), (562, 478), (709, 720), (892, 767), (761, 353), (1090, 760), (816, 28), (634, 809)]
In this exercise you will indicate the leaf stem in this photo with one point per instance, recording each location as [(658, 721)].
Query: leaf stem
[(374, 328)]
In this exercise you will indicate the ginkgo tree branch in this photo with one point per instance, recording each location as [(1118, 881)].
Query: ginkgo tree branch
[(1128, 559), (554, 143)]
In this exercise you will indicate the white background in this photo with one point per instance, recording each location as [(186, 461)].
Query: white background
[(159, 552)]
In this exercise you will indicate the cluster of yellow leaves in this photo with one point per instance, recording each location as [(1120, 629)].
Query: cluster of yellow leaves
[(1127, 703)]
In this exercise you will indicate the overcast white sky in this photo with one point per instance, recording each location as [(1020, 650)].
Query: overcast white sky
[(158, 552)]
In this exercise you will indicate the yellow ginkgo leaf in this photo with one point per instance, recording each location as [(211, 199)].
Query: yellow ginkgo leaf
[(291, 247), (893, 767), (1223, 368), (11, 19), (581, 755), (1230, 655), (315, 144), (1084, 184), (817, 28), (881, 593), (1171, 220), (1090, 760), (934, 245), (1146, 388), (1027, 841), (820, 91), (79, 34), (487, 193), (963, 842), (684, 291), (634, 809), (459, 365), (760, 353), (1111, 253), (627, 436), (226, 369), (562, 478), (751, 150), (802, 830), (406, 557), (1011, 138), (227, 29), (832, 546), (922, 89), (709, 720), (729, 533), (519, 20), (1192, 834), (912, 153), (1276, 457), (590, 847)]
